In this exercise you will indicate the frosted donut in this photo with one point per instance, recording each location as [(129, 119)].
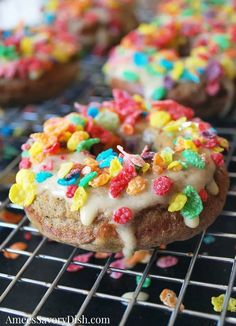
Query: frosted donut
[(36, 63), (98, 24), (187, 58), (123, 175)]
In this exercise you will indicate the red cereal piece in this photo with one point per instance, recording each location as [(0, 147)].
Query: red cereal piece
[(25, 147), (52, 149), (25, 163), (162, 185), (123, 215), (218, 159), (175, 109), (119, 183), (210, 143), (71, 191), (203, 194)]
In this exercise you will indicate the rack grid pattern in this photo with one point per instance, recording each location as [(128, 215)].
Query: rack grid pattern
[(183, 282)]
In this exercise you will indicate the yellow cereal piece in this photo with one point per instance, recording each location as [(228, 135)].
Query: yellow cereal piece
[(22, 195), (223, 142), (35, 149), (79, 199), (175, 166), (101, 180), (145, 167), (167, 155), (76, 138), (229, 67), (177, 70), (174, 126), (115, 167), (25, 176), (147, 29), (159, 119), (218, 149), (177, 202), (189, 144), (65, 136), (26, 46), (64, 169)]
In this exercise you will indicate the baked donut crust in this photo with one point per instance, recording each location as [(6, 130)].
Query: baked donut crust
[(24, 91), (152, 227)]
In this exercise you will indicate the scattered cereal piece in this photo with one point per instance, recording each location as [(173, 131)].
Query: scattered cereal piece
[(25, 176), (169, 298), (15, 246), (142, 296), (218, 302), (64, 169), (22, 196), (146, 282), (166, 261), (208, 239), (193, 206), (192, 158), (87, 178)]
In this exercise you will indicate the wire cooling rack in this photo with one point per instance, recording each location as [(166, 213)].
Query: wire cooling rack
[(37, 283)]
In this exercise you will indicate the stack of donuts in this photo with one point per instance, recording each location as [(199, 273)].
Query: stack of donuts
[(186, 53)]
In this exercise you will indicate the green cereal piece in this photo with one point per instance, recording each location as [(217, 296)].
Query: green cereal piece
[(130, 75), (108, 120), (77, 120), (159, 93), (87, 178), (193, 206), (146, 283), (222, 40), (192, 158), (85, 145)]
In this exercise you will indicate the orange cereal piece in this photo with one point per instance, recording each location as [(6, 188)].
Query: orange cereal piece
[(102, 255), (136, 185), (101, 180), (10, 217), (44, 139), (127, 129), (169, 298), (137, 257), (56, 126), (17, 246)]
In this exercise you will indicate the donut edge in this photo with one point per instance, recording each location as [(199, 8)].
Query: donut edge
[(153, 226)]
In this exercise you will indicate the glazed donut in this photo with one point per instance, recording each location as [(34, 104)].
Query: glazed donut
[(189, 59), (36, 63), (98, 24), (81, 188)]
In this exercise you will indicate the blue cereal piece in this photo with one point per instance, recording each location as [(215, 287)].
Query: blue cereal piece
[(42, 176), (93, 111), (70, 182), (103, 155), (140, 59)]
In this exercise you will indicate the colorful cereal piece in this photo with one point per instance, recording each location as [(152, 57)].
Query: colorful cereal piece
[(123, 215), (79, 199), (192, 158), (99, 181), (35, 149), (21, 246), (142, 296), (166, 261), (146, 283), (193, 206), (115, 167), (218, 302), (136, 185), (42, 176), (87, 178), (25, 176), (22, 196), (159, 119), (162, 185), (218, 159), (75, 139), (108, 120), (120, 182), (68, 182), (87, 144), (65, 168), (177, 202), (169, 298)]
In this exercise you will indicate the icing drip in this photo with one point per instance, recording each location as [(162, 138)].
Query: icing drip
[(126, 234)]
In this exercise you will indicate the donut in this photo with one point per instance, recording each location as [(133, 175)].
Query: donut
[(36, 63), (123, 175), (186, 58), (98, 24)]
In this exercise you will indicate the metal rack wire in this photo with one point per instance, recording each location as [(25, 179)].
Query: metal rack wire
[(37, 284)]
